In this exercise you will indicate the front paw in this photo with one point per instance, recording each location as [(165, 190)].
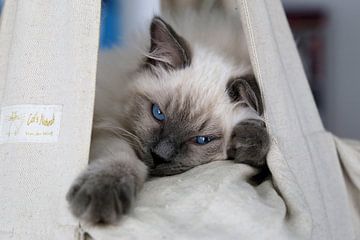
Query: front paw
[(249, 143), (101, 197)]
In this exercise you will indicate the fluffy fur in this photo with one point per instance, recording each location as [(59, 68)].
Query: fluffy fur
[(187, 72)]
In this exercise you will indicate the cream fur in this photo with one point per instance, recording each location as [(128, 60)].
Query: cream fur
[(194, 98), (219, 52)]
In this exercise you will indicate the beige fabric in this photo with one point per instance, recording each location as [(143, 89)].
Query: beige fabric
[(48, 55), (303, 157), (349, 155), (214, 201), (294, 121)]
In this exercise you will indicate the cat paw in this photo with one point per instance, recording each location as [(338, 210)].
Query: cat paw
[(249, 143), (101, 198)]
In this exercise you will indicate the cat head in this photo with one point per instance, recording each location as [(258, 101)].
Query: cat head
[(184, 102)]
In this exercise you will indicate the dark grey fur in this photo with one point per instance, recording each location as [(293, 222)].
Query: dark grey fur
[(245, 89), (249, 143), (104, 197), (173, 47), (118, 169), (173, 140), (107, 188)]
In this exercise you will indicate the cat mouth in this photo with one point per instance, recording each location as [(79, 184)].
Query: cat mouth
[(164, 169), (168, 169)]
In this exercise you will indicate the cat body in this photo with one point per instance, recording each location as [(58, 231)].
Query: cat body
[(166, 104)]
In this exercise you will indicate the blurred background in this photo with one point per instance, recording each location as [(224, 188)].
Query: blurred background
[(327, 34)]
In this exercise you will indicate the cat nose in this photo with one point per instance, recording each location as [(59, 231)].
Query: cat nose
[(158, 159), (163, 152)]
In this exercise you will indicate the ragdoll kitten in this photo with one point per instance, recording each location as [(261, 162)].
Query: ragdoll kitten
[(189, 100)]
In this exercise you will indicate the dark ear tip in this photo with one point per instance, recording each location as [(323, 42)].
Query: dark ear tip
[(156, 20), (246, 88), (252, 81), (170, 50)]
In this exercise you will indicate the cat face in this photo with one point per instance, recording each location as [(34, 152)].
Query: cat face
[(184, 139), (184, 103), (177, 129)]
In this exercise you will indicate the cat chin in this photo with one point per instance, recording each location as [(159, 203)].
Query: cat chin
[(164, 169), (168, 169)]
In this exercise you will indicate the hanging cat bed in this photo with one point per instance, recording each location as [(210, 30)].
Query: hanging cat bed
[(47, 73)]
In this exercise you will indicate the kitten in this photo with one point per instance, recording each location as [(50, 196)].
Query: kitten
[(168, 111)]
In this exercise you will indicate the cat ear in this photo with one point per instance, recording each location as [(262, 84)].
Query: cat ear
[(246, 90), (167, 48)]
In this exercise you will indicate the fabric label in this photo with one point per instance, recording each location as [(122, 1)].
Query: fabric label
[(30, 123)]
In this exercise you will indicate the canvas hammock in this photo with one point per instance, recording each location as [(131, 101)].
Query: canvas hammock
[(47, 84)]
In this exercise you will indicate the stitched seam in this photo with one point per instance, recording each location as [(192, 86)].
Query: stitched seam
[(2, 23), (299, 123), (260, 82)]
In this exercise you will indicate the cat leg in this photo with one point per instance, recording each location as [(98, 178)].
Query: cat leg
[(249, 143), (107, 188)]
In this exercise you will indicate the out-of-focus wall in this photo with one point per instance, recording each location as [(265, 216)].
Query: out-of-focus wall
[(136, 13), (342, 82), (341, 86), (1, 4)]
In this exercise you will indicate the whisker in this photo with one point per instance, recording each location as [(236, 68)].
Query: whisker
[(129, 137)]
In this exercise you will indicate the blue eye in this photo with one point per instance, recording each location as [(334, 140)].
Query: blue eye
[(202, 140), (157, 113)]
